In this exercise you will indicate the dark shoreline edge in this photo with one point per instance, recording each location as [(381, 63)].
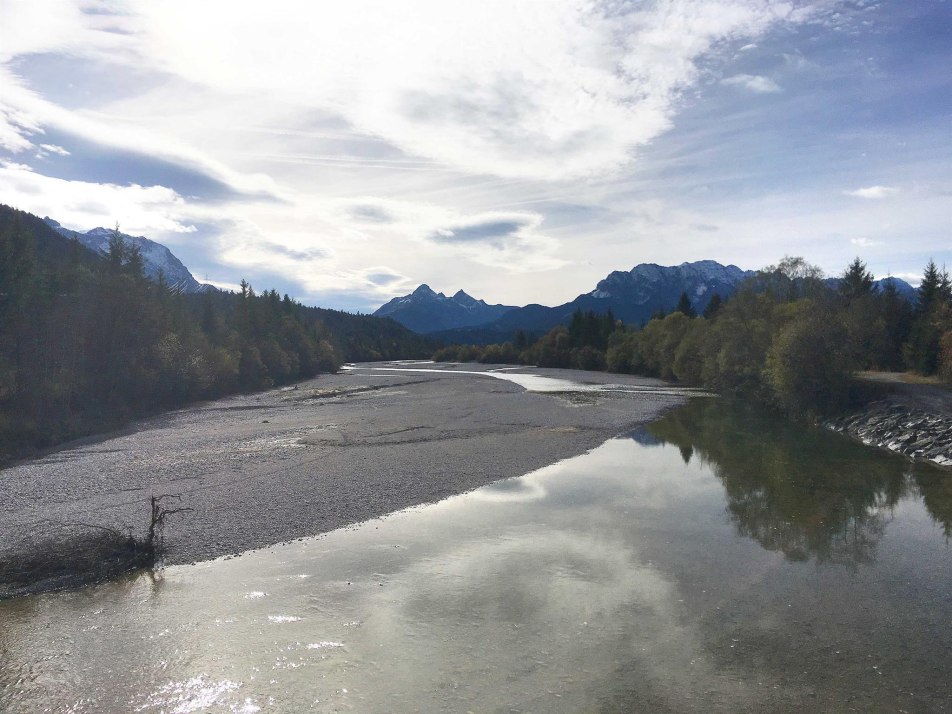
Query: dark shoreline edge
[(920, 436)]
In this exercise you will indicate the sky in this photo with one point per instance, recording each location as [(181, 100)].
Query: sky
[(345, 152)]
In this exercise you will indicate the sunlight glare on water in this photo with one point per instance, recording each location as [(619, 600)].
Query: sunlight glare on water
[(714, 561), (535, 382)]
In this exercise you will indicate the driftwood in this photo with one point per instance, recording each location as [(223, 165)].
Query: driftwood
[(64, 555)]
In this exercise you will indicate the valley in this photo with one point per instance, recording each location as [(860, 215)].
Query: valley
[(717, 558)]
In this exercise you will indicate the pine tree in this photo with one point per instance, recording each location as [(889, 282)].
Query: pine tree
[(945, 287), (17, 264), (684, 305), (856, 281), (929, 288), (932, 308), (714, 306), (17, 280), (897, 319)]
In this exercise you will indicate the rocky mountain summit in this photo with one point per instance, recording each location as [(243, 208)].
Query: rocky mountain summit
[(647, 288), (425, 310), (633, 296), (157, 258)]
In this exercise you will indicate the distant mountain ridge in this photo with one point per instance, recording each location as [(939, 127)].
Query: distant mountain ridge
[(633, 296), (156, 257), (904, 289), (425, 311)]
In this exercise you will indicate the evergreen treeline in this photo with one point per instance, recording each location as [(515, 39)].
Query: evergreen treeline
[(88, 342), (580, 345), (785, 338)]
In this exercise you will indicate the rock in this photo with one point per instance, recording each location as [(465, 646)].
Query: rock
[(891, 426)]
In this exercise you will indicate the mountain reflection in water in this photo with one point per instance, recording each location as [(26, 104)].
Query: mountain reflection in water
[(804, 492)]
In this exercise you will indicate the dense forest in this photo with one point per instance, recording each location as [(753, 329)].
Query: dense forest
[(88, 342), (786, 338)]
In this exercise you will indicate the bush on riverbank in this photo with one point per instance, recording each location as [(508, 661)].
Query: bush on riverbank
[(785, 338), (69, 560), (73, 555)]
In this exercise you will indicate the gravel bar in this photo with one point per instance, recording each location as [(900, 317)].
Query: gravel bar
[(264, 468)]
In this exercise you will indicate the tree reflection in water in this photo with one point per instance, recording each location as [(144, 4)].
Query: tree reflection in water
[(935, 487), (802, 491)]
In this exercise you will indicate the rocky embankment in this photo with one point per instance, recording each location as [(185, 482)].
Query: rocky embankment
[(908, 431)]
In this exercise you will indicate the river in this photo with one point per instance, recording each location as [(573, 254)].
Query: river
[(716, 560)]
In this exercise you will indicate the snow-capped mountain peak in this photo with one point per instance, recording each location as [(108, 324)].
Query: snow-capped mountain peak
[(156, 257)]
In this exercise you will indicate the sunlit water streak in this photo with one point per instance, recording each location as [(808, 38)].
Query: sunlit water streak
[(536, 382), (713, 562)]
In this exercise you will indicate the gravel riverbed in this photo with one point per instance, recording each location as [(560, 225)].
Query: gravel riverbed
[(264, 468)]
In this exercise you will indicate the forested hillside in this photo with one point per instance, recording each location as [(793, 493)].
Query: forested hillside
[(87, 342), (785, 338)]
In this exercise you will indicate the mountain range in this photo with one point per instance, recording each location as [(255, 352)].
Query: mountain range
[(425, 311), (632, 296), (157, 258)]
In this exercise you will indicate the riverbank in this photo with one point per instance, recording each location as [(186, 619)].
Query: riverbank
[(260, 469), (907, 418)]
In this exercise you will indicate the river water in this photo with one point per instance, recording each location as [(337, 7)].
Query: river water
[(716, 560), (531, 382)]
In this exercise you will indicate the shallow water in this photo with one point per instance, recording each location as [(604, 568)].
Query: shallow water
[(715, 561), (534, 382)]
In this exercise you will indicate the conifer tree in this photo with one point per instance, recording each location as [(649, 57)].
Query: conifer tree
[(684, 305), (921, 353), (856, 281), (714, 306), (929, 289), (897, 319)]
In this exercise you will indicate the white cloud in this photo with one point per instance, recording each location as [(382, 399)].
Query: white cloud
[(222, 284), (54, 149), (873, 192), (81, 205), (346, 239), (30, 28), (548, 90), (304, 258), (435, 142), (865, 242), (56, 26), (24, 114), (314, 244), (16, 126), (753, 82), (14, 166), (508, 240), (912, 278), (384, 277)]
